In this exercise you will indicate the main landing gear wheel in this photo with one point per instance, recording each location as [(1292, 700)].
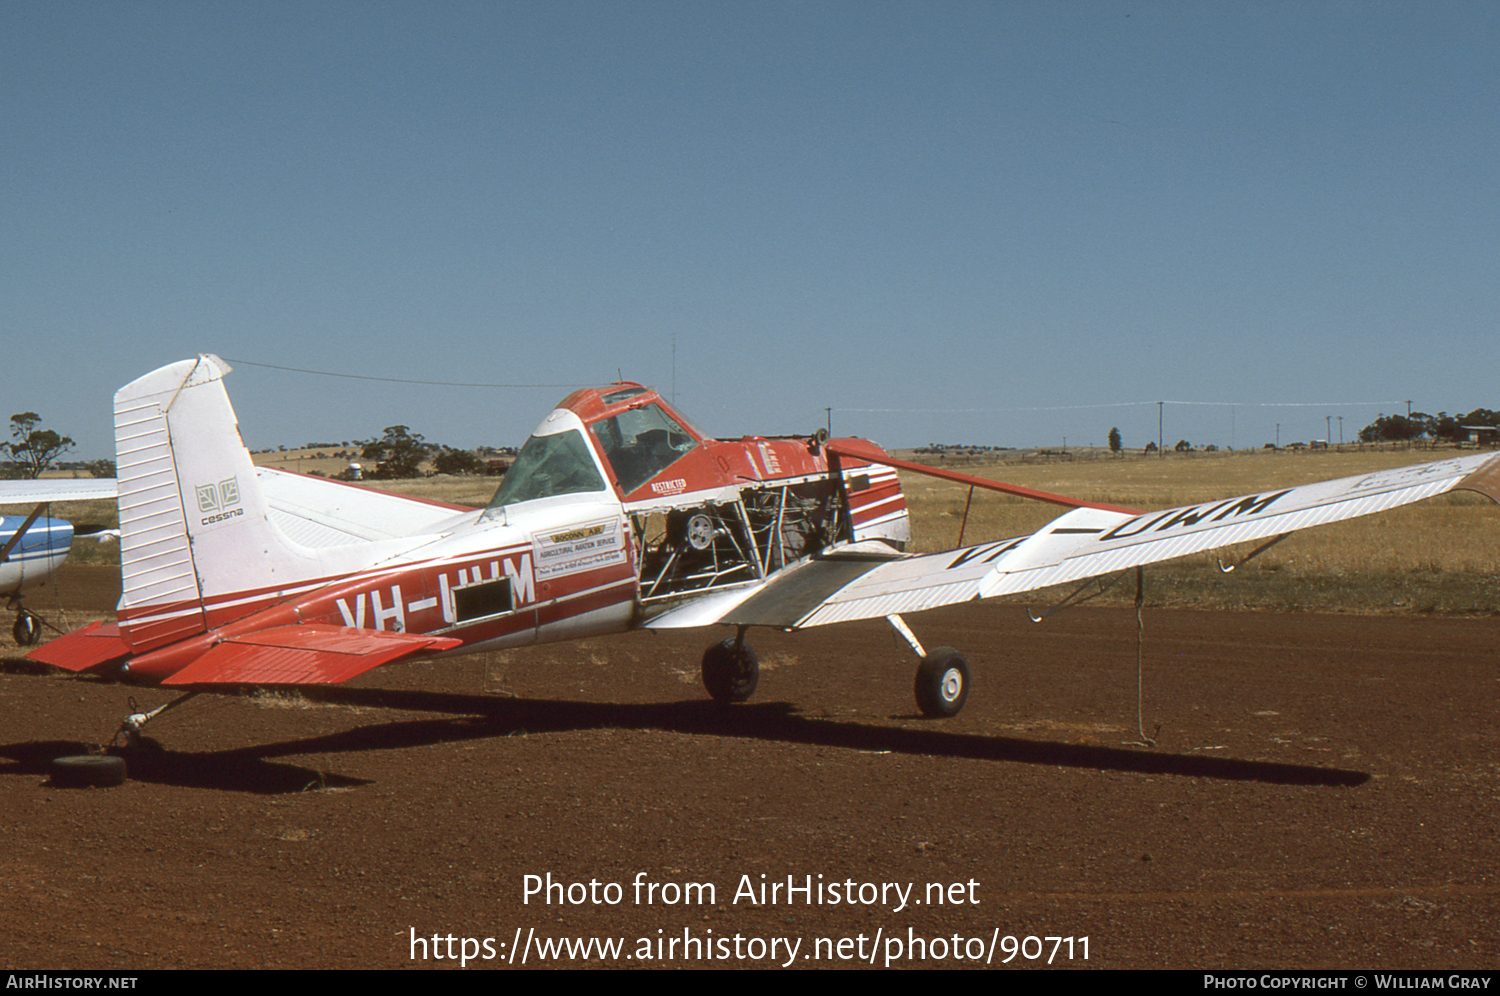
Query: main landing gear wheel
[(730, 671), (27, 630), (88, 771), (942, 683)]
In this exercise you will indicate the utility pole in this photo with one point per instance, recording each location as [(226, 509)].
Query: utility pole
[(829, 413), (1328, 430), (1341, 430), (1160, 449)]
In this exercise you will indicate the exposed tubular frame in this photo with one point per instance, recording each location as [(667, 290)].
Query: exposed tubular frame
[(756, 538)]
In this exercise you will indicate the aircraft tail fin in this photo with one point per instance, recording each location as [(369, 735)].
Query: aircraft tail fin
[(192, 518), (205, 536)]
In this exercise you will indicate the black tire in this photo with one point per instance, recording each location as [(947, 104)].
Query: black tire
[(942, 683), (27, 630), (88, 771), (730, 671)]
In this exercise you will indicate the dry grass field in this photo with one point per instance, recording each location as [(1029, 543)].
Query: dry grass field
[(1441, 556)]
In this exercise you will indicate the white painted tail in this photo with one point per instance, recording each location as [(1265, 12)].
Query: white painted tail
[(205, 535), (192, 518)]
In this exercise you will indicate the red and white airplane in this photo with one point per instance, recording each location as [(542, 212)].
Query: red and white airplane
[(618, 514)]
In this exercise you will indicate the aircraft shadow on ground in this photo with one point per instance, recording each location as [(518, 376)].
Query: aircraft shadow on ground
[(243, 770), (473, 717)]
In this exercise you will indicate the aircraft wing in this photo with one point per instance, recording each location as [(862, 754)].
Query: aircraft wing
[(1086, 542), (61, 489)]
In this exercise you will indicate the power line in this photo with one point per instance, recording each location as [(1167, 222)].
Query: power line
[(1132, 404), (388, 380)]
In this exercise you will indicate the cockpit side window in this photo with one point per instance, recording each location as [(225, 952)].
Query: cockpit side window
[(558, 464), (641, 443)]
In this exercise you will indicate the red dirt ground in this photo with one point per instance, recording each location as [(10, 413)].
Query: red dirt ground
[(1323, 794)]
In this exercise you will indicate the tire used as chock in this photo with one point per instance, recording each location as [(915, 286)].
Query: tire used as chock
[(88, 771), (942, 685), (730, 671)]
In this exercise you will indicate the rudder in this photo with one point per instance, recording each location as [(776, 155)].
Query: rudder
[(192, 517)]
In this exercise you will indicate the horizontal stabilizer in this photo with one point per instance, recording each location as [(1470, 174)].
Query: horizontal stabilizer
[(303, 655), (97, 643)]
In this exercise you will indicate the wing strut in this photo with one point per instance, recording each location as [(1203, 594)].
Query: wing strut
[(1252, 554), (964, 524), (862, 450), (905, 630), (15, 540), (1073, 598)]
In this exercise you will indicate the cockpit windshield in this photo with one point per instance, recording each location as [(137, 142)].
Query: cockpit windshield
[(641, 443), (547, 466)]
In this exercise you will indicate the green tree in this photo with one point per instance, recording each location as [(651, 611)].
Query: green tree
[(1398, 428), (452, 461), (1452, 428), (34, 448), (1115, 443), (398, 454)]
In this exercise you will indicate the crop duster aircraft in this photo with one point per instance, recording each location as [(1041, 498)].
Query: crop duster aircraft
[(618, 514)]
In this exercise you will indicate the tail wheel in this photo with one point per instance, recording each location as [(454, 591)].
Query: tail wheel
[(942, 685), (730, 671), (27, 630)]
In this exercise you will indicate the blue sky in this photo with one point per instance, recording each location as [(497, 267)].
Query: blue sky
[(1007, 223)]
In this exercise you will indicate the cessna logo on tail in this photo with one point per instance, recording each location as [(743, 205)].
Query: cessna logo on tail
[(219, 498)]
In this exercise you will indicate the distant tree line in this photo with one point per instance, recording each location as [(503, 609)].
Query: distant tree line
[(400, 453), (1441, 427)]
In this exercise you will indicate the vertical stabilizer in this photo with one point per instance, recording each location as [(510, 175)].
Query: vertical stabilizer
[(192, 518)]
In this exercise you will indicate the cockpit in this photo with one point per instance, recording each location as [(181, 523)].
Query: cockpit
[(640, 443), (548, 466), (636, 434)]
